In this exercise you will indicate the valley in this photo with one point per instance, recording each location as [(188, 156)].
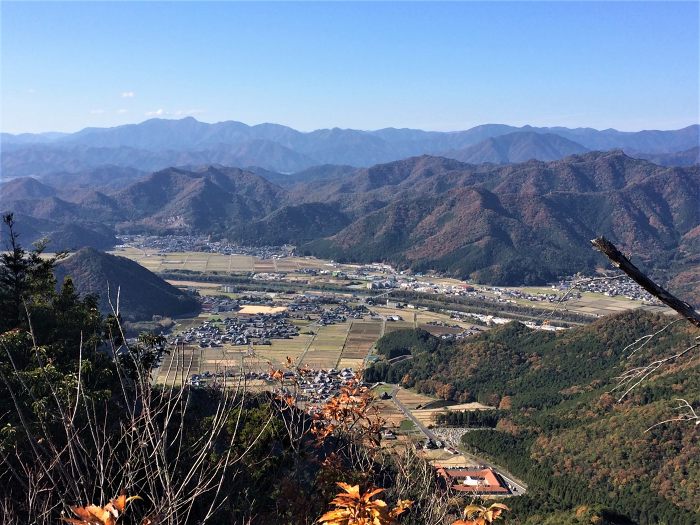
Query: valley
[(350, 263), (337, 313)]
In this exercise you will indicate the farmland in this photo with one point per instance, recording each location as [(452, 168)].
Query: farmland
[(206, 262), (339, 345)]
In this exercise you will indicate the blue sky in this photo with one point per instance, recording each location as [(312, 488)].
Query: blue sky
[(441, 66)]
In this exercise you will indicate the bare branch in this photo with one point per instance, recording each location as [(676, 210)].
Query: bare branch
[(689, 415), (608, 249)]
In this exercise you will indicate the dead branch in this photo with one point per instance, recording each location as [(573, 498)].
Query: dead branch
[(688, 415), (618, 259)]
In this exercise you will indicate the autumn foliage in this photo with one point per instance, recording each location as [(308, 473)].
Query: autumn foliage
[(480, 515), (107, 515), (354, 508)]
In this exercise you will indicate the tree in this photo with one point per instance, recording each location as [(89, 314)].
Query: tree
[(26, 278)]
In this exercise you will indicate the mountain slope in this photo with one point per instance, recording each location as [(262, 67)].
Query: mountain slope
[(517, 147), (75, 236), (24, 188), (292, 224), (210, 199), (559, 428), (529, 222), (679, 158), (142, 294)]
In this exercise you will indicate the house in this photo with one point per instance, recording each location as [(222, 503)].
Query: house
[(474, 480)]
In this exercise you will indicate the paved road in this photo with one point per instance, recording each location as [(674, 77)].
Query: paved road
[(406, 412), (521, 487)]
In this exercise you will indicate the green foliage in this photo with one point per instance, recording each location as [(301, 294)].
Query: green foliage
[(405, 342), (564, 435), (26, 279)]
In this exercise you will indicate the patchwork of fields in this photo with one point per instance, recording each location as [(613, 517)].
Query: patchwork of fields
[(320, 347), (215, 262)]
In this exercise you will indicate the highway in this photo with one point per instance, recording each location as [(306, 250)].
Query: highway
[(429, 434)]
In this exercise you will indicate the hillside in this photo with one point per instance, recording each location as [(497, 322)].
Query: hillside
[(679, 158), (71, 237), (517, 147), (142, 294), (559, 429), (210, 199), (527, 222), (291, 224), (24, 188), (105, 177), (315, 173)]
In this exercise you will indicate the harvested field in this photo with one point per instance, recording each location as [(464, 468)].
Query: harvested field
[(253, 309), (326, 348), (241, 263), (194, 284), (390, 413), (412, 399), (215, 262), (392, 326), (361, 338), (277, 352)]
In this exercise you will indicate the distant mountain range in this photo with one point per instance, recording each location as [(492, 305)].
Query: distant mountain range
[(529, 222), (158, 143), (517, 147), (679, 158)]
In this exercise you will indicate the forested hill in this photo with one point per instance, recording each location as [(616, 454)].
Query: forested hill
[(560, 428), (526, 223), (141, 293)]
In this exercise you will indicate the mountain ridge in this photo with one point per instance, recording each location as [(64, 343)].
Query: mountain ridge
[(159, 143), (528, 222)]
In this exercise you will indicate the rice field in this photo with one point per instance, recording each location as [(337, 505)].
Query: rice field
[(392, 326), (215, 262), (412, 400), (361, 338), (327, 346)]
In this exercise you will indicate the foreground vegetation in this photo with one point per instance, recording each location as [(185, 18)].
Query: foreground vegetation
[(559, 428), (82, 422)]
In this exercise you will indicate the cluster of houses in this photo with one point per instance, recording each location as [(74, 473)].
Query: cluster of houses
[(193, 243), (615, 285), (219, 303), (317, 386), (342, 313), (256, 329), (223, 303), (304, 306), (503, 295)]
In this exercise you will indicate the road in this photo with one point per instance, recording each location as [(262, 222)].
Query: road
[(520, 486), (406, 412)]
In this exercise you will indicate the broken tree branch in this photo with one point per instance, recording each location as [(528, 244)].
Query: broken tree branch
[(608, 249)]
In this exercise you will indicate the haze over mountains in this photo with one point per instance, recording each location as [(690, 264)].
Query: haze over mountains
[(494, 203), (159, 143)]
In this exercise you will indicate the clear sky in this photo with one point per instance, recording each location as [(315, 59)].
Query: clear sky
[(440, 66)]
